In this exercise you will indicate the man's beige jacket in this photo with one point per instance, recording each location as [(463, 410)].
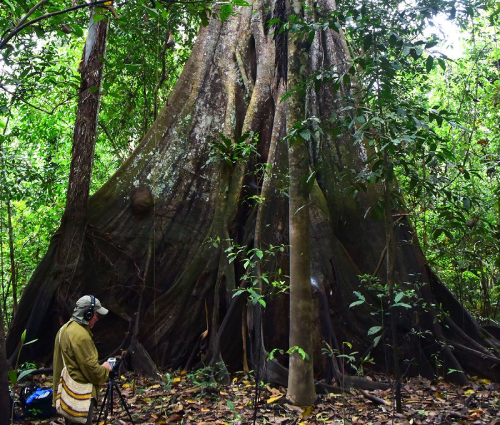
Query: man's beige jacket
[(80, 356)]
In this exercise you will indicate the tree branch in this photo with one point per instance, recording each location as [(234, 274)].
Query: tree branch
[(38, 108), (15, 96), (106, 132), (30, 12), (19, 28)]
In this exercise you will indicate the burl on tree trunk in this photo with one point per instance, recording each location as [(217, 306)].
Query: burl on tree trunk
[(154, 250)]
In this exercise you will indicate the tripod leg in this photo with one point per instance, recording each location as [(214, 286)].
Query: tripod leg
[(111, 398), (124, 403), (102, 406), (109, 401)]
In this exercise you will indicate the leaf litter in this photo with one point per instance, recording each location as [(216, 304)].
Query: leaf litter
[(186, 398)]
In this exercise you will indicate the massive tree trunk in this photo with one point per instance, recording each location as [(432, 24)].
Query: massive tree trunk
[(154, 251)]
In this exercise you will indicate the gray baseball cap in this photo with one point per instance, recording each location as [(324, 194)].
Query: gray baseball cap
[(83, 304)]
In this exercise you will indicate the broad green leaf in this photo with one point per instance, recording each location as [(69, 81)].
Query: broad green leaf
[(204, 17), (431, 44), (12, 377), (429, 63), (367, 41), (225, 11), (77, 30), (25, 373), (374, 329), (398, 297), (97, 18), (437, 233), (404, 305), (305, 134)]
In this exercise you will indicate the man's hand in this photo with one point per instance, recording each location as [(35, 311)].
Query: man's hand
[(107, 366)]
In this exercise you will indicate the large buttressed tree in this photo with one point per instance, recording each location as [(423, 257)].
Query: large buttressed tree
[(160, 232)]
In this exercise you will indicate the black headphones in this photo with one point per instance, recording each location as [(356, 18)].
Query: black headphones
[(89, 313)]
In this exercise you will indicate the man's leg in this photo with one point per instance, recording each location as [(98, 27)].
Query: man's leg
[(91, 412)]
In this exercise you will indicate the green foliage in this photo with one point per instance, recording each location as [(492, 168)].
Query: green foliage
[(306, 130), (290, 351), (203, 378), (243, 148), (352, 358), (16, 374), (252, 281), (458, 218)]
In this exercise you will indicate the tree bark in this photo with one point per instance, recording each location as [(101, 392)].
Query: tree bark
[(390, 249), (4, 378), (13, 274), (74, 220), (2, 279), (300, 378), (176, 194)]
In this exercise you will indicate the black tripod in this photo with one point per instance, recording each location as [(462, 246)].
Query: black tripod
[(108, 398)]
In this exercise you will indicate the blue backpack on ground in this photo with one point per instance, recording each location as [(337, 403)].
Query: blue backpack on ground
[(37, 402)]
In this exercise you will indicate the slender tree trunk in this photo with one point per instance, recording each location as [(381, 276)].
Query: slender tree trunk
[(391, 279), (74, 220), (5, 290), (4, 378), (13, 274), (2, 278), (62, 278), (301, 378)]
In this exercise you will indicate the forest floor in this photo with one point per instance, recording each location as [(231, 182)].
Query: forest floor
[(189, 398)]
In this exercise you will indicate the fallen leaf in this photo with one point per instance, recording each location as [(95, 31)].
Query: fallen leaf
[(176, 417), (273, 399), (306, 412), (178, 407)]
